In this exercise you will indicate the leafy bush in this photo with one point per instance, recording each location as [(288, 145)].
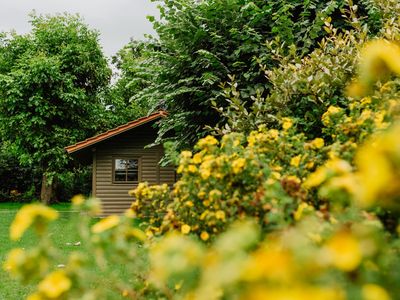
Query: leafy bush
[(200, 43), (304, 87), (270, 173)]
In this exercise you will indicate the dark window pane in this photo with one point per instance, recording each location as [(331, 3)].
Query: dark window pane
[(132, 176), (126, 170), (120, 176)]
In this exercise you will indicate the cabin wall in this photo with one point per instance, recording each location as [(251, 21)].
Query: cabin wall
[(114, 196)]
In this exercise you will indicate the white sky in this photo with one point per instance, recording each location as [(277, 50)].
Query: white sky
[(116, 20)]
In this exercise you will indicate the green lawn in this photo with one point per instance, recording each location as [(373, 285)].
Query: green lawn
[(63, 232), (61, 229)]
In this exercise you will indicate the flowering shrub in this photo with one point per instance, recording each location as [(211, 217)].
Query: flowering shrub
[(274, 214), (233, 179), (150, 205), (314, 260), (267, 173)]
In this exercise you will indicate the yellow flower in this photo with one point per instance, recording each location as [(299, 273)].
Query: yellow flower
[(207, 141), (204, 215), (267, 258), (374, 292), (189, 203), (192, 169), (326, 117), (356, 89), (310, 165), (276, 175), (186, 154), (378, 58), (347, 182), (185, 229), (28, 215), (273, 133), (339, 166), (35, 296), (287, 123), (251, 140), (180, 169), (206, 203), (344, 251), (204, 236), (276, 168), (15, 258), (317, 178), (205, 169), (197, 158), (135, 233), (105, 224), (78, 200), (299, 212), (55, 284), (178, 285), (220, 215), (238, 164), (215, 194), (365, 115), (295, 161), (375, 170), (378, 120), (365, 101), (318, 143), (205, 173), (201, 194)]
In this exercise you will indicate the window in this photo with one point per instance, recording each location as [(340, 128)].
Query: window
[(126, 170)]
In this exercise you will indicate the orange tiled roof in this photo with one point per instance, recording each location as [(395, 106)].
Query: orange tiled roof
[(113, 132)]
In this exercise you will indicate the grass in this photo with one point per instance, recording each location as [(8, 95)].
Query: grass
[(64, 235), (61, 230)]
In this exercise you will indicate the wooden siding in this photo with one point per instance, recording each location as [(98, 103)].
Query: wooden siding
[(114, 196)]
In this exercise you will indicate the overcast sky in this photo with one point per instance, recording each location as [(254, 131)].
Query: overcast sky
[(117, 20)]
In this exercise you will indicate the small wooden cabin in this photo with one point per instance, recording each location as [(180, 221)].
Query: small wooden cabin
[(121, 160)]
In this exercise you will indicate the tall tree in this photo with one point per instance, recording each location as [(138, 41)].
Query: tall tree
[(49, 83), (200, 43)]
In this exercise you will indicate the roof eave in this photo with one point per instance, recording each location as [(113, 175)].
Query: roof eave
[(113, 132)]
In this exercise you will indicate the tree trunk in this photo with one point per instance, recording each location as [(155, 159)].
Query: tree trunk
[(46, 192)]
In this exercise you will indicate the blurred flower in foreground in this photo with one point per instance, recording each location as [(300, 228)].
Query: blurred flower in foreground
[(378, 164), (374, 292), (105, 224), (55, 284), (344, 251), (379, 58), (36, 214)]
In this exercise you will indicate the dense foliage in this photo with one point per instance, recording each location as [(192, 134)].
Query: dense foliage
[(18, 184), (200, 43), (49, 85), (274, 209), (261, 173)]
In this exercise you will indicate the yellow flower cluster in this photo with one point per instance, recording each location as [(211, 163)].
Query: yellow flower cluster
[(53, 286), (225, 180), (285, 266)]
